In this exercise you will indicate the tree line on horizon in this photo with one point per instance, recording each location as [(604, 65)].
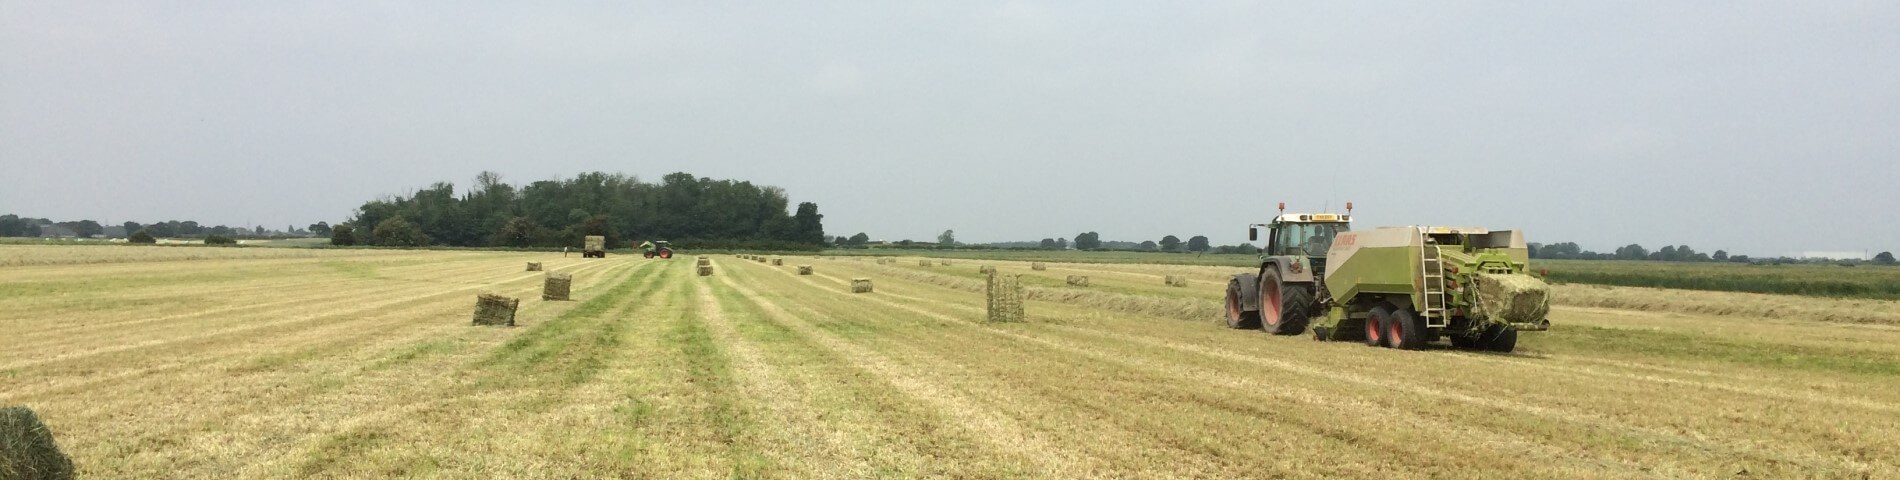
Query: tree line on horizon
[(691, 212)]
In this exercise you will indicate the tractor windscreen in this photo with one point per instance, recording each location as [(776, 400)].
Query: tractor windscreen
[(1310, 239)]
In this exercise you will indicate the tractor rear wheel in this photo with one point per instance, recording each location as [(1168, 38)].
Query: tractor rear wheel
[(1284, 308), (1375, 326), (1404, 330), (1238, 316), (666, 254)]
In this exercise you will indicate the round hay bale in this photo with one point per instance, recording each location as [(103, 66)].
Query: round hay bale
[(27, 449), (534, 266), (556, 286), (1177, 280), (705, 270), (804, 269), (491, 309), (1079, 280), (860, 285)]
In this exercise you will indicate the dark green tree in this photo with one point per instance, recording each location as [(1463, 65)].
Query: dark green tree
[(1884, 258), (860, 239), (343, 235), (219, 240), (320, 229), (1198, 243), (518, 232), (1049, 243), (142, 236), (948, 238), (1088, 241), (399, 232), (1170, 243), (1148, 245), (810, 227)]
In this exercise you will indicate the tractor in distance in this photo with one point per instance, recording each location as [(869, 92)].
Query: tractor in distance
[(594, 246), (660, 248), (1399, 287)]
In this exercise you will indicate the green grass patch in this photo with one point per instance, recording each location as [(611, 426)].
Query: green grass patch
[(1680, 346), (1866, 281)]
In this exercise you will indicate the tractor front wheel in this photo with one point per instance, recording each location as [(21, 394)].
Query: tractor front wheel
[(1238, 316)]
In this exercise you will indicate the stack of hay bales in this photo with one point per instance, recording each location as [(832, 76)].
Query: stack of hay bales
[(923, 263), (986, 269), (27, 449), (778, 262), (804, 269), (1177, 280), (534, 266), (1005, 298), (705, 270), (860, 285), (491, 309), (556, 286), (1038, 266), (1079, 280)]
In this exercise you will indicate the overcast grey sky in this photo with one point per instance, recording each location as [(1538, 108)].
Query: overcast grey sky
[(1759, 127)]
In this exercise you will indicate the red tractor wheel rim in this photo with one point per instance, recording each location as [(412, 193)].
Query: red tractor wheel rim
[(1372, 328), (666, 254), (1271, 309), (1397, 334)]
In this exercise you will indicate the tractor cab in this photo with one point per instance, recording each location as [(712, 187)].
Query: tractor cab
[(1301, 234)]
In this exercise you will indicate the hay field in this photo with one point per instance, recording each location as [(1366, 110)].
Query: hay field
[(360, 364)]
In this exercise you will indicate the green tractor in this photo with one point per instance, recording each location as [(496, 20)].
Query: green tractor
[(1398, 287), (661, 249)]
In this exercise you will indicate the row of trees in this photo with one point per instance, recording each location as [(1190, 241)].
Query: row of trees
[(16, 226), (1668, 253), (691, 211)]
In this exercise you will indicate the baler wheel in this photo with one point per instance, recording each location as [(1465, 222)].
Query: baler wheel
[(1504, 341), (1404, 331), (1375, 326)]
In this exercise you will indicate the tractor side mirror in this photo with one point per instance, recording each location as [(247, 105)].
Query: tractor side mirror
[(1253, 234)]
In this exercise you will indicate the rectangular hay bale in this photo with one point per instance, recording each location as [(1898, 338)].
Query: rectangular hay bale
[(705, 270), (492, 309), (1038, 266), (703, 261), (534, 266), (923, 263), (556, 286), (1079, 280), (778, 262), (804, 269), (860, 285), (986, 269), (1177, 280), (1004, 298)]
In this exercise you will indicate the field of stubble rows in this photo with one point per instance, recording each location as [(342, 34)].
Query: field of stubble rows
[(252, 363)]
